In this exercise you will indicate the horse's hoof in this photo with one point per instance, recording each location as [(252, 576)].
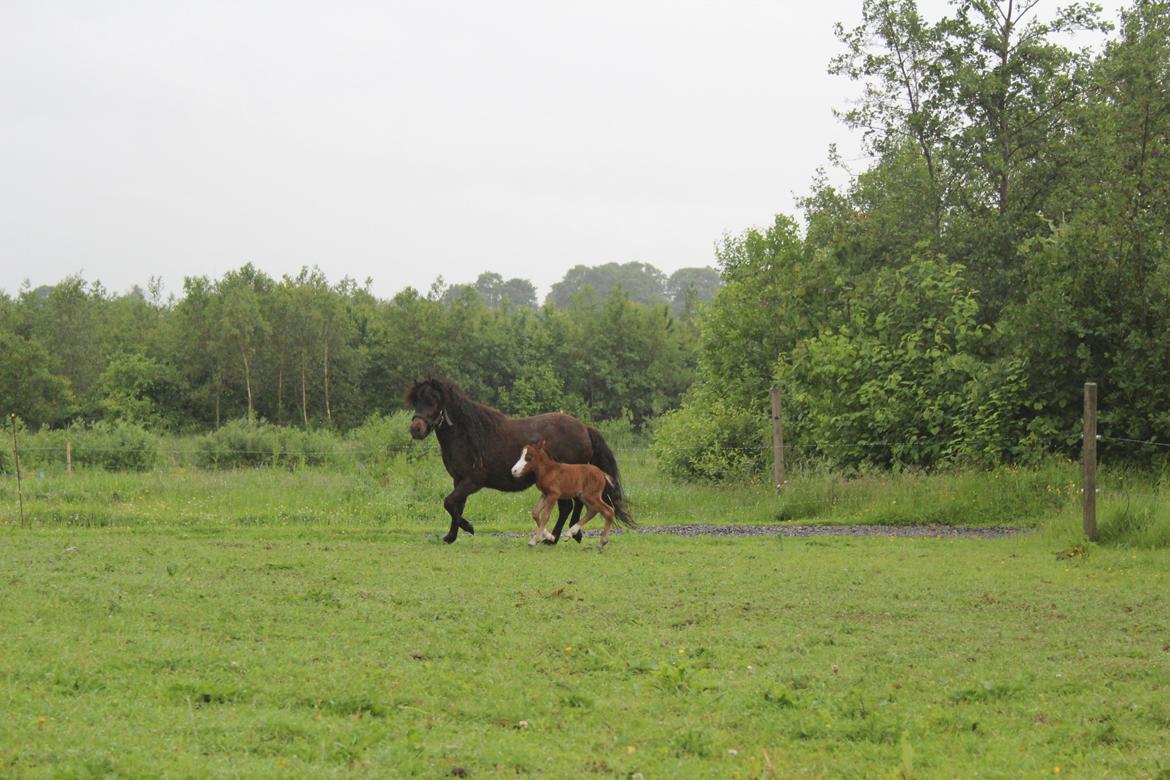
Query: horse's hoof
[(551, 541), (577, 537), (449, 538), (466, 526)]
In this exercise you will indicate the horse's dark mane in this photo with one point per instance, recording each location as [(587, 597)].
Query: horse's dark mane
[(477, 422)]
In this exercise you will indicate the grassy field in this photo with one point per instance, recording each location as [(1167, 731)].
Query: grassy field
[(283, 652), (267, 623)]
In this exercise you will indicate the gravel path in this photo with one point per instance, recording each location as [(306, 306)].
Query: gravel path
[(921, 531), (932, 531)]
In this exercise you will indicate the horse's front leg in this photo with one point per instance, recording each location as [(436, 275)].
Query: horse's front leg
[(565, 506), (454, 503)]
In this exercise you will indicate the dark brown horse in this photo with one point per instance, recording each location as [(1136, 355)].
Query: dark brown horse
[(479, 446)]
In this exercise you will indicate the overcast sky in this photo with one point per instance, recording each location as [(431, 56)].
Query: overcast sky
[(400, 141)]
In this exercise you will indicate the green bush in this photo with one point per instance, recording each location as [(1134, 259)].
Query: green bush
[(244, 444), (712, 439), (903, 383), (374, 444), (113, 446)]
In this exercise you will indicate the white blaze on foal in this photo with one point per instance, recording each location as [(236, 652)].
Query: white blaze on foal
[(518, 469), (541, 532)]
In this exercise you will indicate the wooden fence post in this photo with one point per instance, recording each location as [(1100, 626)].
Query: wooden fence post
[(777, 440), (1089, 462), (68, 458)]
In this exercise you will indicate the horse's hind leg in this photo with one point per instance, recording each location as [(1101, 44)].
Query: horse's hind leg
[(564, 506)]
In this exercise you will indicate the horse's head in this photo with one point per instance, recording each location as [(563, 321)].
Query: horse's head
[(528, 458), (430, 411)]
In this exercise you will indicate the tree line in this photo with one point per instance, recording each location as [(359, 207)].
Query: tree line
[(301, 350), (1009, 242)]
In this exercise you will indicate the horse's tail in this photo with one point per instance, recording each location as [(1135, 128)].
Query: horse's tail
[(603, 458)]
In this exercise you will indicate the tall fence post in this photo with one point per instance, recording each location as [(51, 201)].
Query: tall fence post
[(68, 458), (777, 440), (1089, 462), (16, 461)]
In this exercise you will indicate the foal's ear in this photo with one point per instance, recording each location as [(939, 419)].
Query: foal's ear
[(540, 444)]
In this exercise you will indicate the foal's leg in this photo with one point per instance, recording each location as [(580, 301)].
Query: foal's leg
[(536, 512), (541, 516), (575, 531), (545, 536), (606, 512)]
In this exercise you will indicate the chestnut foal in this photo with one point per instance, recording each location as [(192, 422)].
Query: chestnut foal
[(564, 480)]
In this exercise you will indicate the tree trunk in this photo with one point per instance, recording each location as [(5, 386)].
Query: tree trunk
[(328, 410), (248, 382), (304, 394)]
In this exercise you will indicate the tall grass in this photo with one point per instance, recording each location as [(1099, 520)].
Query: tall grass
[(259, 474), (1007, 496), (1133, 511)]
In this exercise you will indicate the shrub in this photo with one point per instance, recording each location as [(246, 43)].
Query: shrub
[(376, 442), (114, 446), (237, 444), (244, 444), (710, 438), (903, 383)]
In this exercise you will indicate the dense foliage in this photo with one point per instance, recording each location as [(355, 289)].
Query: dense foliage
[(1010, 241), (302, 351)]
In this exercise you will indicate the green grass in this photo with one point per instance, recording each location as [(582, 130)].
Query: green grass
[(333, 651), (409, 489), (268, 622)]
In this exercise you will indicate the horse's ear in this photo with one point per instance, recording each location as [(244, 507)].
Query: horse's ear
[(541, 444)]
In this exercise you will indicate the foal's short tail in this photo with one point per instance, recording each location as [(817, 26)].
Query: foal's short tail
[(603, 458)]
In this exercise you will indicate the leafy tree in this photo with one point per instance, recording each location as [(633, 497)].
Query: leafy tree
[(642, 282), (774, 293), (985, 98), (495, 292), (192, 334), (138, 389), (242, 326), (66, 321), (28, 385), (688, 287), (518, 293), (1097, 282), (1016, 89), (901, 380), (623, 360), (897, 55)]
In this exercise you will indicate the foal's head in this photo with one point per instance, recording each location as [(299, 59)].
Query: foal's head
[(528, 458)]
